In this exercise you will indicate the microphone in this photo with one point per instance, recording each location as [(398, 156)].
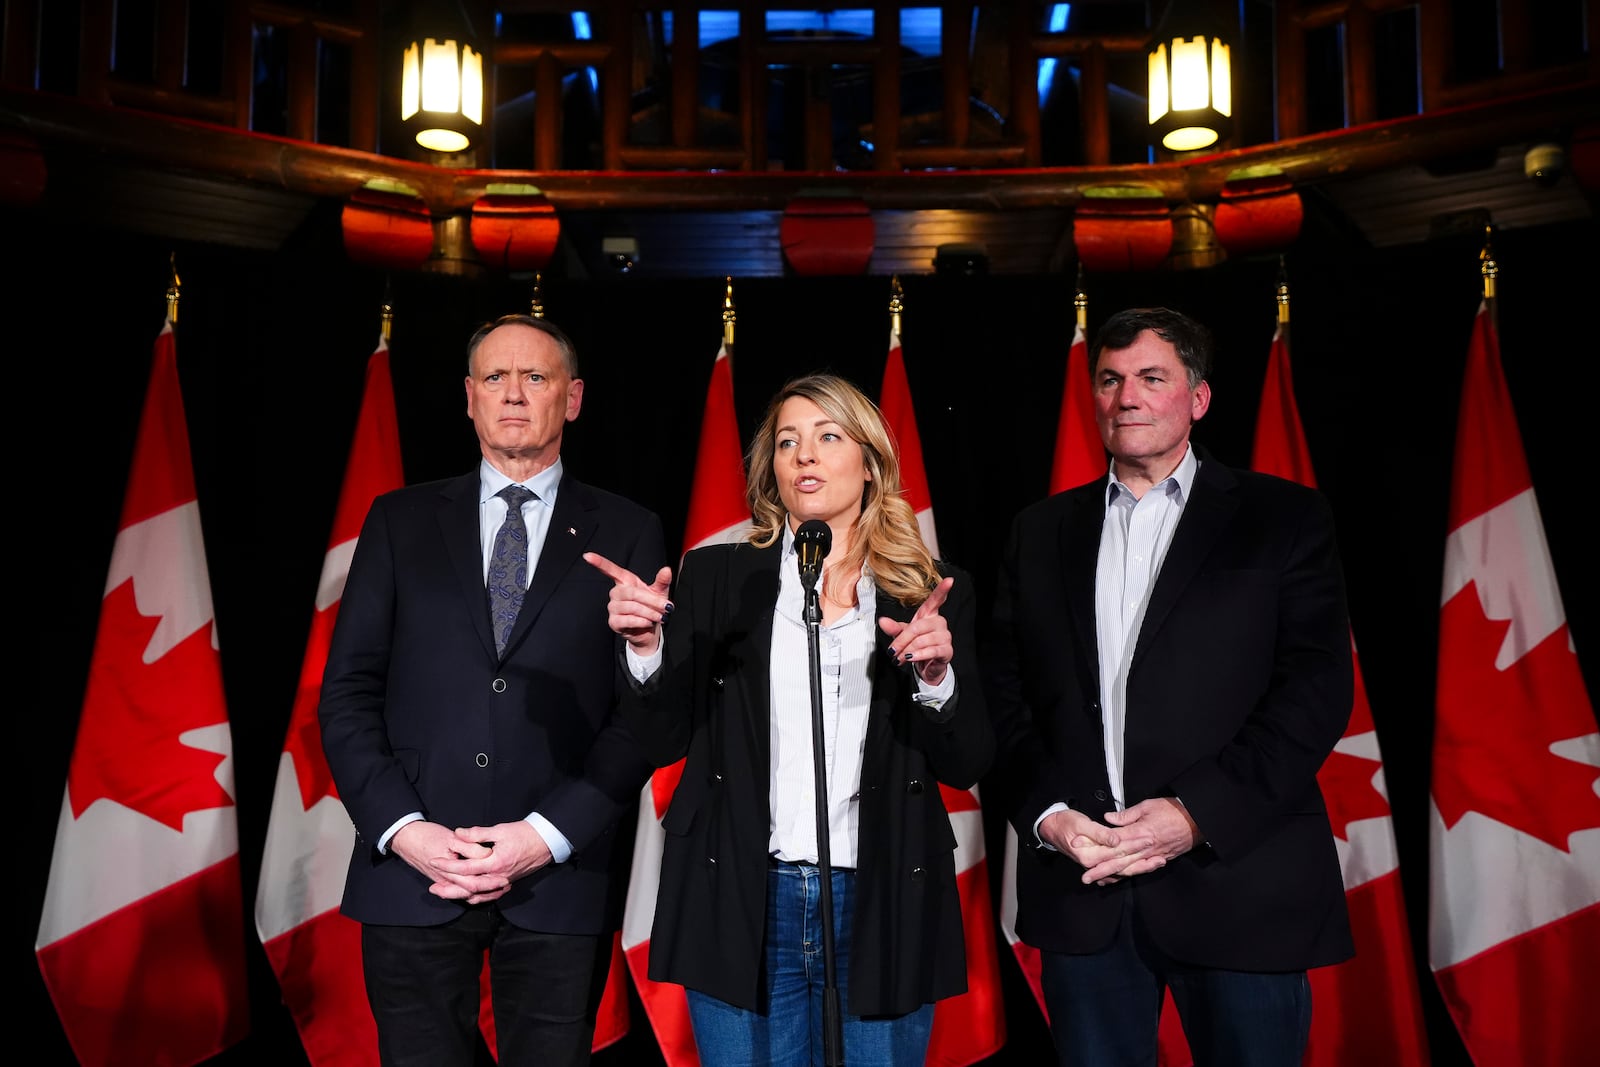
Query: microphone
[(812, 541)]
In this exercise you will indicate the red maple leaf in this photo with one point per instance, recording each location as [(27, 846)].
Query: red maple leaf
[(133, 713), (1346, 782), (1494, 728), (1345, 778)]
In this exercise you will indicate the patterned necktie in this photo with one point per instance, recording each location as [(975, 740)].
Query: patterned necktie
[(508, 565)]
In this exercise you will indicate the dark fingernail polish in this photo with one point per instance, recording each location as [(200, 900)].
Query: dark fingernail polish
[(668, 609)]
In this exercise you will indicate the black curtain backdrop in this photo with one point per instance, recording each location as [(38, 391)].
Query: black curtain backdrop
[(272, 349)]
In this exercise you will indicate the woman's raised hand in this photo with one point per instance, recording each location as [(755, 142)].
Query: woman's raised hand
[(636, 607)]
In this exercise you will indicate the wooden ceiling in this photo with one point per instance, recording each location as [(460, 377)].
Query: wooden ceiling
[(153, 156)]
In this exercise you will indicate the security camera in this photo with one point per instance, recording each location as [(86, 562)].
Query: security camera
[(620, 253), (1543, 163)]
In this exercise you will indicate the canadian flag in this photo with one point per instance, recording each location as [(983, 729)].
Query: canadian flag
[(718, 514), (1366, 1010), (1514, 896), (141, 942), (972, 1026), (314, 950), (1079, 457)]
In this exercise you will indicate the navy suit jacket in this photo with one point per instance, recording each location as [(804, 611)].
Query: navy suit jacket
[(419, 713), (1241, 683)]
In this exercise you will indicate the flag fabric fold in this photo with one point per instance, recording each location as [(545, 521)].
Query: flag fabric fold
[(969, 1027), (141, 940), (1079, 457), (1514, 835), (313, 949), (1366, 1010), (718, 514)]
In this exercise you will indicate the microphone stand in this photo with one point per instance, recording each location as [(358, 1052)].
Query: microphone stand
[(832, 1022)]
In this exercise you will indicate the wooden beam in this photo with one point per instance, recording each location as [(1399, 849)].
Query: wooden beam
[(160, 142)]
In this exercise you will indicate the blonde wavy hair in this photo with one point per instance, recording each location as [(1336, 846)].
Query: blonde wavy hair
[(886, 539)]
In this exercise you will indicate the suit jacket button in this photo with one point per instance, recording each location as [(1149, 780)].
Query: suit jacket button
[(498, 685), (717, 682), (919, 874), (716, 779), (711, 862), (1100, 794), (914, 787), (483, 759)]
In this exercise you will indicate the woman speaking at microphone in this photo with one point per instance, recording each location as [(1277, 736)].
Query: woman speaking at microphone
[(731, 676)]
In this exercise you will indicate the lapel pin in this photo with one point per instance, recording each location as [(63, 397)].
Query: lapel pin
[(573, 530)]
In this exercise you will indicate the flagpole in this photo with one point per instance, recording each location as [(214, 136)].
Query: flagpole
[(172, 289), (1283, 298), (1490, 270), (1080, 302)]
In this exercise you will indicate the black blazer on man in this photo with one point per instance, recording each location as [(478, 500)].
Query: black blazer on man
[(418, 712), (1240, 685), (709, 702)]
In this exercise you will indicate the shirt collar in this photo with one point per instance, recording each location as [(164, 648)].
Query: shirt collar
[(1178, 483), (544, 484)]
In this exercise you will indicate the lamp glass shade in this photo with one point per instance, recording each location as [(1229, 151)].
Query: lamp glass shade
[(471, 84), (1221, 78), (1191, 80), (441, 79), (1190, 91), (411, 82), (1158, 82), (441, 93)]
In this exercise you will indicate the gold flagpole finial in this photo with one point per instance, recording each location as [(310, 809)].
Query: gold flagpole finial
[(897, 303), (728, 315), (536, 305), (172, 288), (1283, 293), (1080, 301), (1486, 264), (386, 316)]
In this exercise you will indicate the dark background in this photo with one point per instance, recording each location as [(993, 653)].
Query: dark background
[(272, 349)]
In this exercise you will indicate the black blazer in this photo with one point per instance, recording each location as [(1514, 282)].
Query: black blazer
[(418, 713), (1240, 685), (709, 702)]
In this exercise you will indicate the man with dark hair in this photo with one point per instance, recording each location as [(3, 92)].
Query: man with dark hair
[(1171, 667)]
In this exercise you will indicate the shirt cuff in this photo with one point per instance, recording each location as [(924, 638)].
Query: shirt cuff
[(934, 696), (1051, 810), (642, 667), (383, 842), (560, 847)]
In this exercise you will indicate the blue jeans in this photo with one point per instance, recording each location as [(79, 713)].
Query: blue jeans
[(1105, 1007), (787, 1031)]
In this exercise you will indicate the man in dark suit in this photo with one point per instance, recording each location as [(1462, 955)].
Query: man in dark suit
[(474, 740), (1171, 667)]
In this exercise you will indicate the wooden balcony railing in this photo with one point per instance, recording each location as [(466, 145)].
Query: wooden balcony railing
[(264, 67)]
